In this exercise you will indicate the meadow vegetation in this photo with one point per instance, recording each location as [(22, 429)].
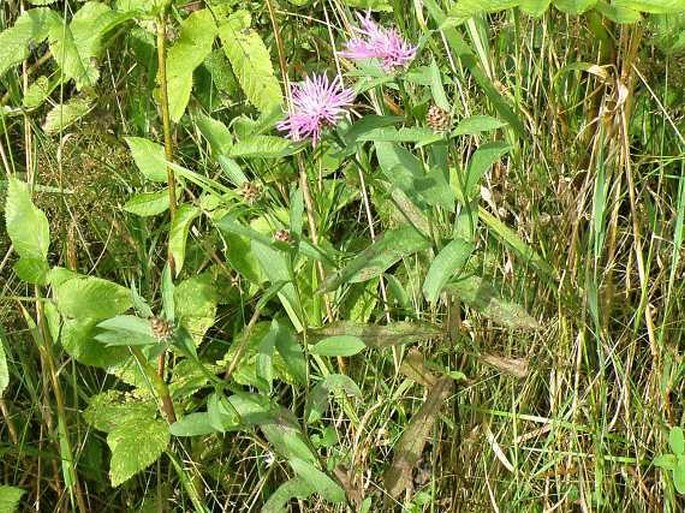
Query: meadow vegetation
[(342, 255)]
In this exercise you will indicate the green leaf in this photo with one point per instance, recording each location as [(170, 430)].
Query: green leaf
[(261, 146), (480, 295), (437, 88), (31, 27), (92, 298), (666, 461), (448, 263), (194, 44), (264, 363), (147, 204), (651, 6), (218, 136), (196, 299), (193, 424), (78, 340), (149, 157), (396, 333), (10, 497), (32, 270), (293, 356), (388, 249), (676, 440), (331, 384), (574, 6), (65, 114), (37, 92), (481, 160), (293, 488), (135, 444), (4, 373), (618, 14), (341, 345), (108, 410), (466, 9), (251, 62), (679, 474), (324, 485), (418, 135), (283, 432), (477, 124), (511, 238), (27, 226), (178, 234), (126, 330), (535, 7)]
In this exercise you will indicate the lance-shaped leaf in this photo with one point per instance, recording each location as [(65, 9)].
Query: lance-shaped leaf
[(396, 333), (388, 249)]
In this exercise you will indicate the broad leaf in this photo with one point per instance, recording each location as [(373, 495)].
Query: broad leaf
[(65, 114), (194, 44), (446, 264), (296, 487), (108, 410), (92, 298), (149, 157), (147, 204), (481, 160), (340, 345), (480, 295), (193, 424), (31, 27), (477, 124), (135, 444), (324, 485), (676, 440), (27, 226), (10, 497), (251, 62), (574, 6), (396, 333), (332, 384), (195, 305)]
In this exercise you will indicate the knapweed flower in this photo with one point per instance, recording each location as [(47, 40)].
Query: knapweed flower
[(374, 42), (316, 103)]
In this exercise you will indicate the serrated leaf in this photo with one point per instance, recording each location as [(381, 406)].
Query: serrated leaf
[(446, 264), (135, 444), (477, 124), (194, 44), (27, 226), (218, 136), (251, 62), (324, 485), (178, 234), (31, 27), (65, 114), (37, 92), (149, 157), (112, 408), (10, 497), (92, 298), (195, 305), (32, 270), (480, 295), (147, 204), (340, 345)]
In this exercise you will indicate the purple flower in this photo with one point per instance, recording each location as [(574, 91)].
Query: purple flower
[(316, 103), (380, 43)]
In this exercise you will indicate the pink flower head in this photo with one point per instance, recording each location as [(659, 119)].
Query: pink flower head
[(380, 43), (316, 103)]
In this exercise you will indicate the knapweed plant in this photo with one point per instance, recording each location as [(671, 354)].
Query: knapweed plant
[(358, 255)]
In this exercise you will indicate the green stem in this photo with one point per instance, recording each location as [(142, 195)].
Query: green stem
[(166, 123), (158, 384)]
